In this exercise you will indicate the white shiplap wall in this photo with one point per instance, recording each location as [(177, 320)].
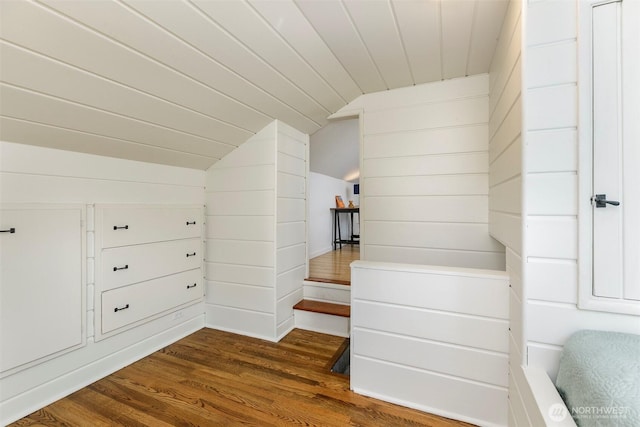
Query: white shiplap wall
[(256, 233), (552, 189), (291, 223), (424, 177), (240, 263), (30, 174), (446, 355), (505, 187)]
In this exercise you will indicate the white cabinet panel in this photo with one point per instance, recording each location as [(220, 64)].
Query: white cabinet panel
[(41, 278), (131, 264), (123, 225), (123, 306)]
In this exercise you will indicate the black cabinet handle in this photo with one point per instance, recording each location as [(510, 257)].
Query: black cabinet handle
[(192, 286), (10, 230), (601, 201), (115, 310), (124, 227), (126, 267), (191, 223), (193, 254)]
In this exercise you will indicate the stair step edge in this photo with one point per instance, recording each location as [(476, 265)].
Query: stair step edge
[(324, 308)]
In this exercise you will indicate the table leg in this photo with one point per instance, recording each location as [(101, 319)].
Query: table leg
[(339, 231)]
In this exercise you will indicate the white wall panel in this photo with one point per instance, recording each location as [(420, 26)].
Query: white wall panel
[(508, 164), (552, 280), (290, 233), (291, 185), (552, 150), (462, 139), (248, 178), (240, 245), (291, 165), (506, 147), (544, 326), (431, 393), (437, 256), (553, 237), (552, 107), (552, 193), (249, 203), (507, 229), (509, 130), (459, 290), (291, 228), (243, 274), (441, 164), (442, 91), (552, 64), (289, 281), (446, 327), (245, 227), (507, 99), (458, 340), (429, 185), (425, 159), (246, 297), (290, 210), (426, 116), (433, 356), (243, 322), (450, 209), (291, 257), (550, 22), (241, 252), (473, 237)]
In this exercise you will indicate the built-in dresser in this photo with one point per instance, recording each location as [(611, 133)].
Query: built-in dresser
[(148, 262)]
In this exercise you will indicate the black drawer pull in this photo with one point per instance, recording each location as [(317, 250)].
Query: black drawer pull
[(125, 227), (191, 223), (115, 310), (126, 267), (11, 230), (192, 286), (193, 254)]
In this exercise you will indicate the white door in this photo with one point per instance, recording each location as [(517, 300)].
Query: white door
[(616, 149), (41, 298)]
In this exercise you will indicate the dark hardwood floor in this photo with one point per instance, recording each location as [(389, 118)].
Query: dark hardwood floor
[(214, 378)]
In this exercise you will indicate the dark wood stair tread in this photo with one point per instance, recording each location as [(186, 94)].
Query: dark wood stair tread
[(324, 307)]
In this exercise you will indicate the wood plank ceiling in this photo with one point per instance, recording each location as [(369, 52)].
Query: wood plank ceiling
[(184, 82)]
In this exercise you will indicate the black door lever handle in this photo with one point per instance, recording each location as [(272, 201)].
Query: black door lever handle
[(601, 201), (10, 230)]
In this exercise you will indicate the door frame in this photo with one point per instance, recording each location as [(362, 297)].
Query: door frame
[(586, 299)]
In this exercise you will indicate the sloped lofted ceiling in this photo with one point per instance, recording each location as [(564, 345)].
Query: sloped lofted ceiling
[(184, 82)]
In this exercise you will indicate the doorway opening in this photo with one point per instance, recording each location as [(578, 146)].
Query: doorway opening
[(334, 174)]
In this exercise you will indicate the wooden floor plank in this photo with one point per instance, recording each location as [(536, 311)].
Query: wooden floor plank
[(334, 266), (215, 378)]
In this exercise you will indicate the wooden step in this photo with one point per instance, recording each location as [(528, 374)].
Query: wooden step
[(323, 307), (333, 281)]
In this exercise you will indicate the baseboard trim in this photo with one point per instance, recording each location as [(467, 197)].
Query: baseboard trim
[(424, 408)]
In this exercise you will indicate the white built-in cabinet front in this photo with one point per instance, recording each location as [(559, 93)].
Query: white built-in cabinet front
[(42, 292), (148, 262)]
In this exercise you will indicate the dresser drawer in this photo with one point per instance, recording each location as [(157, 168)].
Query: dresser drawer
[(130, 225), (131, 264), (129, 304)]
